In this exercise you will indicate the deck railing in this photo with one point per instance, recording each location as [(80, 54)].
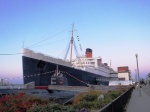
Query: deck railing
[(118, 105)]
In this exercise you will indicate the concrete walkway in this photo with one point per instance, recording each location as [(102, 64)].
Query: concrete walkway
[(139, 103)]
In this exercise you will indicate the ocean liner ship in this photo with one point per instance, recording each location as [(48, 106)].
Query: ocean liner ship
[(83, 71)]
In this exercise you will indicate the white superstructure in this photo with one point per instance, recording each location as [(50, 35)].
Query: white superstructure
[(93, 65)]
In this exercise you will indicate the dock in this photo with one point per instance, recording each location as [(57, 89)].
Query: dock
[(101, 88)]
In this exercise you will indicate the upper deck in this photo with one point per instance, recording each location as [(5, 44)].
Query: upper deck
[(46, 58)]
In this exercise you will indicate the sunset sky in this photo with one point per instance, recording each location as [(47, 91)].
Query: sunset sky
[(114, 29)]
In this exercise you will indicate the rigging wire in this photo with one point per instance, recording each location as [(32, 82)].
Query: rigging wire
[(49, 43), (67, 51), (47, 38), (80, 45), (76, 51), (67, 47), (13, 54), (34, 47)]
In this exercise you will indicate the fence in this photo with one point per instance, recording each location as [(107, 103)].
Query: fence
[(119, 103)]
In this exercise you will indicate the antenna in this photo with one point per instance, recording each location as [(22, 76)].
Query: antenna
[(23, 43)]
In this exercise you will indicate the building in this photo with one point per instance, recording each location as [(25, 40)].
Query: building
[(124, 73), (1, 82), (124, 77), (114, 77), (148, 79)]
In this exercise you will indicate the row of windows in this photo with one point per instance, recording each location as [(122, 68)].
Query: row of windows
[(85, 59), (85, 63), (102, 79)]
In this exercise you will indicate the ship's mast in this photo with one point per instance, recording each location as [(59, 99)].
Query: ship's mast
[(71, 42)]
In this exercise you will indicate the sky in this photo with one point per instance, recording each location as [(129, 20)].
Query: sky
[(116, 30)]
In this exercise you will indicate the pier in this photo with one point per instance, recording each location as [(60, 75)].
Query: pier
[(103, 89)]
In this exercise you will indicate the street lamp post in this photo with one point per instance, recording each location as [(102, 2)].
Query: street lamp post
[(138, 74)]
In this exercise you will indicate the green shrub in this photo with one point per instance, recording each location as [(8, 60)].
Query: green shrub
[(85, 102), (38, 108), (50, 107), (81, 95), (71, 109), (89, 97), (113, 94)]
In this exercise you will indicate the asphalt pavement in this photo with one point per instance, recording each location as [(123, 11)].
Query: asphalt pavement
[(140, 101)]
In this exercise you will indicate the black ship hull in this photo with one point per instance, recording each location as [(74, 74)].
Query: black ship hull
[(41, 73)]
